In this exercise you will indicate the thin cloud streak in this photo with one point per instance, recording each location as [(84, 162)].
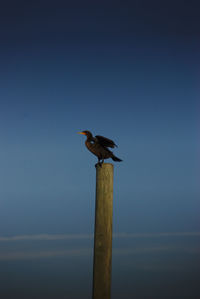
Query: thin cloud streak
[(44, 254), (22, 255), (158, 235), (46, 237), (49, 237), (80, 252), (140, 250)]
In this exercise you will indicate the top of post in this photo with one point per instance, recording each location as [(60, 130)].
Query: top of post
[(104, 165)]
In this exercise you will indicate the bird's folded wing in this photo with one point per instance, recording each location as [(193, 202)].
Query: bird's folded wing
[(105, 141)]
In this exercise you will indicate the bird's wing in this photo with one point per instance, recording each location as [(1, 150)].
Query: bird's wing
[(105, 141)]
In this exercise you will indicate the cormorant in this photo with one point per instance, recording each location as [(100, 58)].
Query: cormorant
[(98, 145)]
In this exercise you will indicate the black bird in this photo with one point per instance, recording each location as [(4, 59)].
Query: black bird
[(98, 145)]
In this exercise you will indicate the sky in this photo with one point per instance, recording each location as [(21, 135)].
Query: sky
[(125, 70)]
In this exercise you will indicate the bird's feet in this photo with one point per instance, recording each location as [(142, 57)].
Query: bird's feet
[(99, 163)]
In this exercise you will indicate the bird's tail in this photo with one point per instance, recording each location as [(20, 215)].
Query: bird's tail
[(116, 159)]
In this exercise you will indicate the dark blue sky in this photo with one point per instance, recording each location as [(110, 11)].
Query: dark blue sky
[(128, 71)]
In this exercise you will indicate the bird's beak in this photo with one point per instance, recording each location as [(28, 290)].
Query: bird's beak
[(81, 133)]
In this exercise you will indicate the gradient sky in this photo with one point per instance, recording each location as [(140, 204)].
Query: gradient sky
[(129, 72)]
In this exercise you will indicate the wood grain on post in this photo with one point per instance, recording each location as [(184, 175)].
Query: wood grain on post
[(103, 232)]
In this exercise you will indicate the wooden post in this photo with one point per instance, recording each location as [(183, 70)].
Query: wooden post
[(103, 232)]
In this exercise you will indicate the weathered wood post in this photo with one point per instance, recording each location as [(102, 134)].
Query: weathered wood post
[(103, 232)]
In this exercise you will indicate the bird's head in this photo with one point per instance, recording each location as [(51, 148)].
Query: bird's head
[(87, 133)]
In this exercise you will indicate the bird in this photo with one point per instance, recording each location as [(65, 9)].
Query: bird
[(98, 145)]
